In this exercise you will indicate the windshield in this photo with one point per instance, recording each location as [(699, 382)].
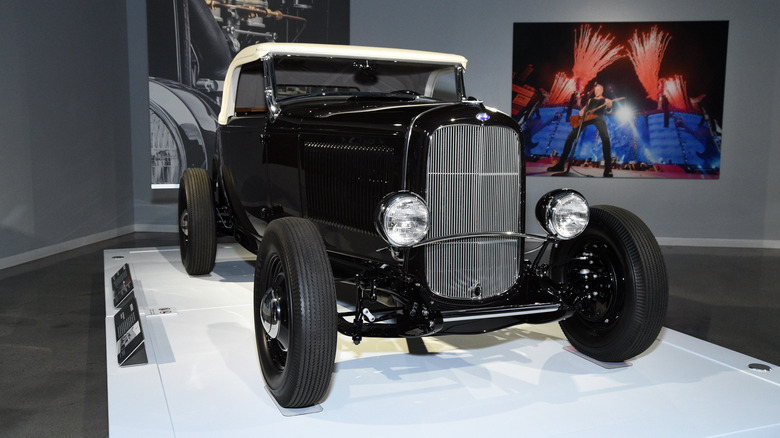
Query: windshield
[(304, 76)]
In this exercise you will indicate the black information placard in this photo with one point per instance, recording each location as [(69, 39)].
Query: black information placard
[(122, 284), (129, 336)]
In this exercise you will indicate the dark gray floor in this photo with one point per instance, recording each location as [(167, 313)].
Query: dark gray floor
[(53, 344), (727, 296), (52, 326)]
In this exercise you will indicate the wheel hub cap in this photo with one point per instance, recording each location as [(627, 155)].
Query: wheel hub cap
[(184, 223), (597, 283), (271, 312)]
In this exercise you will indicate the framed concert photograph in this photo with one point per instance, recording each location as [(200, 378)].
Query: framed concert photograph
[(621, 99)]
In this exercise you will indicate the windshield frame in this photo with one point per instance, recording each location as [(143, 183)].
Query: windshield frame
[(275, 102)]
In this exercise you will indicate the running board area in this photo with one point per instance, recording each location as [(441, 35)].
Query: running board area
[(499, 312)]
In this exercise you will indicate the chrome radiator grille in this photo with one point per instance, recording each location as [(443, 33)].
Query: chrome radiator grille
[(473, 187)]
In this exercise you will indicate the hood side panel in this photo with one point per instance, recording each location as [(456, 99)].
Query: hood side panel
[(346, 179)]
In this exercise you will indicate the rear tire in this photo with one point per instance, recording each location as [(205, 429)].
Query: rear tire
[(295, 313), (197, 222), (616, 266)]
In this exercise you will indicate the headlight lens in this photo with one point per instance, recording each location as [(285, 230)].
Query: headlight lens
[(563, 213), (403, 218)]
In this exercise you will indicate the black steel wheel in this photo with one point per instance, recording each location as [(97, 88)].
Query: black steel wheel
[(295, 313), (197, 222), (617, 272)]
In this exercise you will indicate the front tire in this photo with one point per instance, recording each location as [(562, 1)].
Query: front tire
[(197, 222), (295, 313), (616, 268)]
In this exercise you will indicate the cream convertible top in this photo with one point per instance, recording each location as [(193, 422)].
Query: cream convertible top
[(253, 53)]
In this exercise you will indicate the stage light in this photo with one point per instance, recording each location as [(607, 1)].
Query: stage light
[(624, 114)]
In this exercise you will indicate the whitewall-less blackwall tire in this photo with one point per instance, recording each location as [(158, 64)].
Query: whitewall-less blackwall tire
[(617, 268), (295, 313), (197, 222)]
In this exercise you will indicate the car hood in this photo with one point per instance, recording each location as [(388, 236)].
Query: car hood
[(364, 115), (398, 129)]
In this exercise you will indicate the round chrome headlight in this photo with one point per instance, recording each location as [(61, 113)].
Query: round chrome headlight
[(403, 219), (563, 213)]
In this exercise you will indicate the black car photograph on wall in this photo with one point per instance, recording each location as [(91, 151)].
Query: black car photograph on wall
[(371, 169), (190, 44)]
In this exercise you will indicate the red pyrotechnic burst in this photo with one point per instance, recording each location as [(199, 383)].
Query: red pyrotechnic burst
[(646, 53), (562, 89), (592, 53), (675, 91)]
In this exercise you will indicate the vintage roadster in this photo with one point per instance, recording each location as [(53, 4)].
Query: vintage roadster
[(372, 168)]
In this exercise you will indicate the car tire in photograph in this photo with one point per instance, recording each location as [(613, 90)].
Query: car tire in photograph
[(197, 222), (167, 146), (295, 312), (617, 269)]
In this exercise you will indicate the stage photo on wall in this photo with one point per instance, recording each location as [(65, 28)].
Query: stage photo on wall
[(190, 45), (621, 99)]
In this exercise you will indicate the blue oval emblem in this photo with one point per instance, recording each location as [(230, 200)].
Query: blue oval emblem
[(483, 117)]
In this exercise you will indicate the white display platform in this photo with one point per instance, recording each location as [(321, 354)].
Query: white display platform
[(203, 377)]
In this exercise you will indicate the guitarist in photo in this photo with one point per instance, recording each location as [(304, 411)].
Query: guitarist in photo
[(591, 114)]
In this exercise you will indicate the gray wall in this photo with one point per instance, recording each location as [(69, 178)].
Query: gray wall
[(65, 172), (155, 210), (772, 200), (743, 204)]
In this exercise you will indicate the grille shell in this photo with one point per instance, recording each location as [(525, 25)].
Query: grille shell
[(473, 186)]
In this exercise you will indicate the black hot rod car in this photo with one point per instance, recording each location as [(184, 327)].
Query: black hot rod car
[(370, 167)]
